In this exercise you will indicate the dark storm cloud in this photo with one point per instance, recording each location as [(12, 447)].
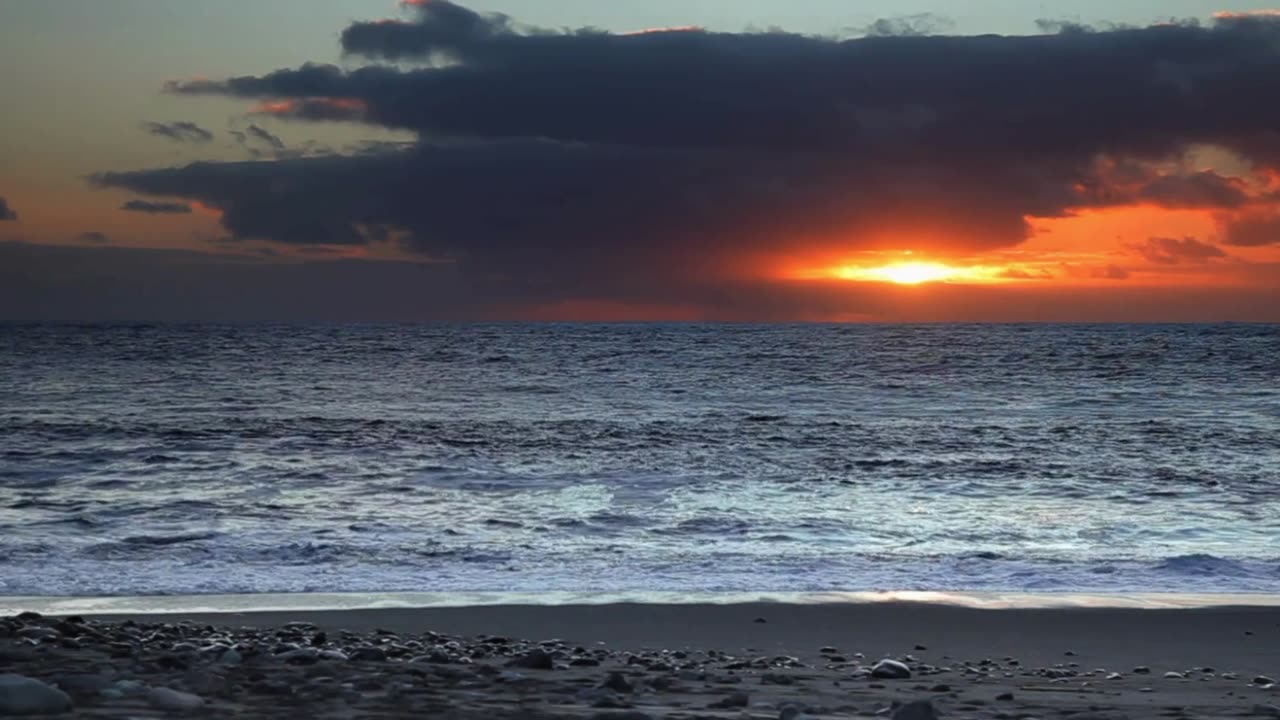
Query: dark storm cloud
[(157, 207), (1174, 251), (179, 131), (6, 212), (587, 164), (1146, 91)]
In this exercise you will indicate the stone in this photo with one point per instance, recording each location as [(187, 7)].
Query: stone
[(1171, 675), (916, 710), (231, 657), (301, 656), (736, 700), (83, 685), (533, 660), (368, 654), (617, 682), (21, 695), (163, 698), (890, 670), (1263, 680)]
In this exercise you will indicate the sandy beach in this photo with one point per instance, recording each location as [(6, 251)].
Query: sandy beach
[(633, 661)]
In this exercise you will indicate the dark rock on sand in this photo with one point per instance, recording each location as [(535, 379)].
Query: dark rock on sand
[(536, 659), (917, 710), (736, 700), (1263, 680), (890, 670), (21, 695), (368, 654), (617, 682), (83, 685)]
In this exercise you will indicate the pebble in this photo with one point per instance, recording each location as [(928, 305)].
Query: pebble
[(916, 710), (736, 700), (618, 683), (1171, 675), (534, 660), (164, 698), (21, 695), (890, 670), (1263, 680), (83, 685)]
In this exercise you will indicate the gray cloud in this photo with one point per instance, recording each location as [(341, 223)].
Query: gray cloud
[(1175, 251), (583, 164), (179, 131), (156, 207)]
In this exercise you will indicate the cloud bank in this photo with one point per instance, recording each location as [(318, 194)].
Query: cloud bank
[(581, 163)]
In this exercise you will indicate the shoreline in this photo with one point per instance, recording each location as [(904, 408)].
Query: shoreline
[(322, 602), (629, 661)]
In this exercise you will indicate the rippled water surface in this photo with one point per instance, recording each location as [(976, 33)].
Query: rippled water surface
[(168, 459)]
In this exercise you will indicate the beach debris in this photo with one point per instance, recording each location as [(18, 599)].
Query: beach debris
[(888, 669), (22, 695)]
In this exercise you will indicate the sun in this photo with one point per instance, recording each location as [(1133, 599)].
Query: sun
[(908, 273), (914, 273)]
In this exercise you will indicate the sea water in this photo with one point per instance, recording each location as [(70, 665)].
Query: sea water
[(167, 459)]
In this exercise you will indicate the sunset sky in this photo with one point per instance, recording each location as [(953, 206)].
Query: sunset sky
[(989, 160)]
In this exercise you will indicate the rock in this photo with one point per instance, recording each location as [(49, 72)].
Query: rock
[(39, 634), (736, 700), (368, 654), (1142, 670), (940, 688), (610, 701), (916, 710), (1263, 680), (792, 711), (890, 670), (1171, 675), (164, 698), (533, 660), (231, 657), (301, 656), (617, 682), (21, 695), (760, 621), (83, 685)]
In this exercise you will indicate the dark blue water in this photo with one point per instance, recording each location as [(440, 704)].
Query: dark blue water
[(170, 459)]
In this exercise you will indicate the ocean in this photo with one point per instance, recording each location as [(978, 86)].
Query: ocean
[(167, 459)]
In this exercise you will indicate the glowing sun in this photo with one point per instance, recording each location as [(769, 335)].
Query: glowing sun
[(907, 273)]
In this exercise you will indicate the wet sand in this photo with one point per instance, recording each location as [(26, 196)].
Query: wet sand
[(754, 660)]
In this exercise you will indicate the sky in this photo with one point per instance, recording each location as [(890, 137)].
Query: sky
[(671, 160)]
